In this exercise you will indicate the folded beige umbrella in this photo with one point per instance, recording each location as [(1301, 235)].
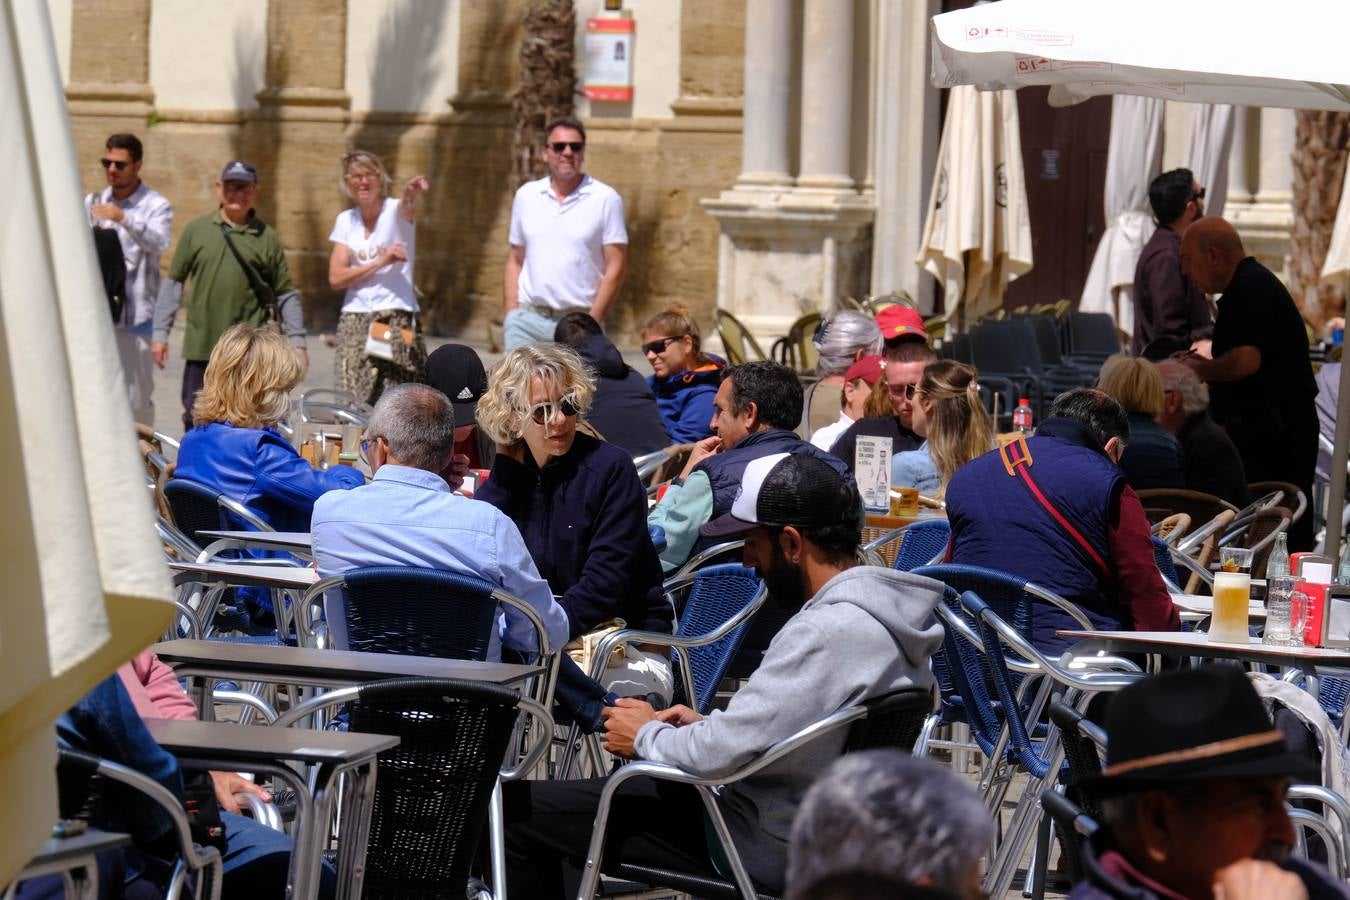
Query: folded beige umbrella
[(85, 583), (977, 236)]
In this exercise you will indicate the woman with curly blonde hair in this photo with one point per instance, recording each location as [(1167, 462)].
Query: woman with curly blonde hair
[(234, 446), (579, 505), (950, 417)]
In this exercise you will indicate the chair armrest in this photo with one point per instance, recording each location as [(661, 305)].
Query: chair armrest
[(260, 810), (631, 635), (542, 742), (1054, 599)]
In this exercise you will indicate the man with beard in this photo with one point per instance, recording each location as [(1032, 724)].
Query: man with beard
[(858, 632), (1193, 796)]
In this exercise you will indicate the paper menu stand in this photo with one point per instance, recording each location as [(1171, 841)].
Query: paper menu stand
[(872, 470)]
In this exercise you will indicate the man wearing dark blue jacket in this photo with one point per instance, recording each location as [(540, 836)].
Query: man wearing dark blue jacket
[(757, 407), (1055, 509)]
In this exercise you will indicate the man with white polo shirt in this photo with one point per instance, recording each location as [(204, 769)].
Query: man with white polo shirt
[(569, 246)]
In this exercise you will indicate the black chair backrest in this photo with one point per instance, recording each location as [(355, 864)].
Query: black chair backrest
[(195, 508), (431, 799), (419, 612), (893, 721), (1047, 338), (1093, 333), (1079, 751), (1068, 819)]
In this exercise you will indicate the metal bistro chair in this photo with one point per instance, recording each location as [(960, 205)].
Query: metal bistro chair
[(440, 786), (739, 343), (719, 602), (1075, 828), (196, 868), (796, 350), (412, 611), (892, 720), (921, 544), (1162, 557), (1021, 707), (1084, 742)]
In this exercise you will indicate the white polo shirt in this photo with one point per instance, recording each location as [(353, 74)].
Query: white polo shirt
[(564, 242)]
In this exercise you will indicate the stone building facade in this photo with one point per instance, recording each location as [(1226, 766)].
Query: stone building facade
[(775, 159)]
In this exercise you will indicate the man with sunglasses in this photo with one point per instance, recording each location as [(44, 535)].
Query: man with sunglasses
[(141, 219), (569, 246), (1167, 305), (905, 363)]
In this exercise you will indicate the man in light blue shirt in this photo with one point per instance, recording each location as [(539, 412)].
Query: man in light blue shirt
[(409, 516)]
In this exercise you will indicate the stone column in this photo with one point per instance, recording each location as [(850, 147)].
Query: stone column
[(827, 79), (765, 141), (1241, 177), (904, 154), (1265, 222), (110, 61), (297, 135)]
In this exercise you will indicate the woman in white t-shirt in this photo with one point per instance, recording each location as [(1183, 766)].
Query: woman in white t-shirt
[(372, 261)]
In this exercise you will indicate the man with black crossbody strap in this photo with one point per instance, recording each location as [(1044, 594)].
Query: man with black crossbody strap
[(239, 274)]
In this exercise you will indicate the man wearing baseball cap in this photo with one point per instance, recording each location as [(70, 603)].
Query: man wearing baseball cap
[(856, 632), (1193, 796), (456, 371), (239, 274), (859, 380), (901, 324)]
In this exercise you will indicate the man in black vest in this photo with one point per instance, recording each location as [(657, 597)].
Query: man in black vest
[(1261, 387), (756, 409)]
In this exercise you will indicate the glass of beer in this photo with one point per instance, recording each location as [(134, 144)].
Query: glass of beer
[(1232, 596), (904, 501)]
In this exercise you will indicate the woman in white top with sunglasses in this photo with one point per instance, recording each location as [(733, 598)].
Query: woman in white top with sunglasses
[(578, 504)]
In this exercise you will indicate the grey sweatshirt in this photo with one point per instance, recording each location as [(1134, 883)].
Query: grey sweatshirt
[(867, 632)]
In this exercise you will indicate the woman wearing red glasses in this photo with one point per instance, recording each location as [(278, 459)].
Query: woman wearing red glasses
[(578, 504), (684, 378)]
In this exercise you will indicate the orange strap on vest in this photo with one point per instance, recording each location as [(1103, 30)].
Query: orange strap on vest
[(1017, 462)]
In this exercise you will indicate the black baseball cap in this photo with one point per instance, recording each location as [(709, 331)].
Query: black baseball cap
[(456, 371), (787, 489)]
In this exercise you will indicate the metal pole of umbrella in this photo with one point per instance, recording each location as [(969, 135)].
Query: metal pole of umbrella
[(1339, 451)]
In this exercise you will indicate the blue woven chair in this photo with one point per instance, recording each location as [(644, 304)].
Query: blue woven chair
[(921, 543), (1162, 555), (719, 602), (197, 507)]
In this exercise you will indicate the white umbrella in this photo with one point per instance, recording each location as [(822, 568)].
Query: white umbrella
[(1133, 159), (1336, 269), (85, 582), (977, 236), (1211, 51), (1243, 52), (1209, 139)]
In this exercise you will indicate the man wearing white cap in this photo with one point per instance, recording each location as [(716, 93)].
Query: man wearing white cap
[(239, 274), (856, 632)]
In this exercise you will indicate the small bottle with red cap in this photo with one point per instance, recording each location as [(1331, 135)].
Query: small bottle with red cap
[(1023, 420)]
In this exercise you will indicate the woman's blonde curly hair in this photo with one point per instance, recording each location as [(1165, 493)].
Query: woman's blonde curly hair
[(502, 409), (249, 379)]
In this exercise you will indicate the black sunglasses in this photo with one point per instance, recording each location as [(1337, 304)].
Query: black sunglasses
[(544, 412), (1198, 195), (659, 345), (117, 164), (908, 390), (560, 146)]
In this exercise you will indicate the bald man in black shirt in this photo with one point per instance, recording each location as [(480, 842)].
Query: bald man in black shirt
[(1260, 377)]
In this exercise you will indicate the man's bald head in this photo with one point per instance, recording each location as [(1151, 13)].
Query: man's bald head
[(1210, 252)]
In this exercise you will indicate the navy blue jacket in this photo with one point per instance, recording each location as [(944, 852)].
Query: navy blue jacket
[(1152, 457), (624, 410), (998, 524), (685, 400), (584, 519), (725, 469)]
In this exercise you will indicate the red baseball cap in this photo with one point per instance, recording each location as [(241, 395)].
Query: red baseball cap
[(868, 369), (901, 321)]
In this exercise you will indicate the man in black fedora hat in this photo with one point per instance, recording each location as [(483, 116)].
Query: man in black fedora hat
[(1193, 796)]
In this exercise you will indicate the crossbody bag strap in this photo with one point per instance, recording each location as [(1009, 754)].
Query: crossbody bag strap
[(260, 293), (1017, 462)]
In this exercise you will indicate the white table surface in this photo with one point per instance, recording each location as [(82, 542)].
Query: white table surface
[(286, 577)]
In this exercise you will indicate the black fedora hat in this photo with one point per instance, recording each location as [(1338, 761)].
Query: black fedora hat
[(1191, 725)]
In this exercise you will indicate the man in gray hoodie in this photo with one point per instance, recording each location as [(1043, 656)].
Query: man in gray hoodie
[(858, 632)]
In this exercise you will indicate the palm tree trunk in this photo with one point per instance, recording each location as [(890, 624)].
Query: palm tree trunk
[(547, 81), (1320, 148)]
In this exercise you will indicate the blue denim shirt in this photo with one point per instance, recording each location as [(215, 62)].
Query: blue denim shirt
[(410, 517)]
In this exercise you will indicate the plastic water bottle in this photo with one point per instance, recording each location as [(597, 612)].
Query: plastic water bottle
[(1278, 562), (1343, 570), (1022, 418)]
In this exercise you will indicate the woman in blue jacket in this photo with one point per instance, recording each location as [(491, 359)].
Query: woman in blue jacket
[(578, 504), (234, 446), (684, 378)]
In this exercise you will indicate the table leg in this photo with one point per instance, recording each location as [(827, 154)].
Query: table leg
[(497, 839), (352, 846)]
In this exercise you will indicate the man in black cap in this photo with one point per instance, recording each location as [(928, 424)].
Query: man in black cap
[(1193, 796), (239, 274), (856, 632), (456, 371)]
